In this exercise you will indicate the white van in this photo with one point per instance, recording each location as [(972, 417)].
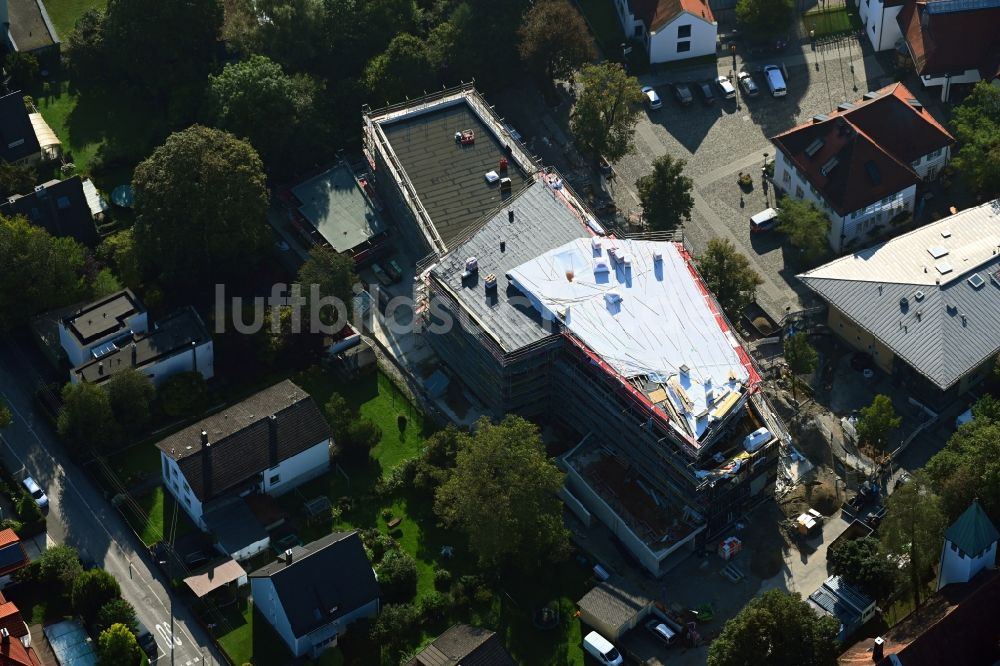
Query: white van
[(602, 650), (775, 81), (764, 221)]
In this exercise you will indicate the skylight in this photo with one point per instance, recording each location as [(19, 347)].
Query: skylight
[(814, 147), (976, 280), (938, 251), (943, 267), (829, 166)]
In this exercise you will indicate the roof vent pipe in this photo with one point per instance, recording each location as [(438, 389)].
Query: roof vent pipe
[(510, 215)]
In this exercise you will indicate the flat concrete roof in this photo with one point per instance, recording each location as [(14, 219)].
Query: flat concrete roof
[(338, 208), (449, 177), (104, 317)]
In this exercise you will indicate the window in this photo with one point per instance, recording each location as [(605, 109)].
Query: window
[(916, 162), (274, 479), (683, 46), (786, 177), (173, 471), (934, 154), (798, 192), (683, 31), (886, 201), (187, 500), (187, 488)]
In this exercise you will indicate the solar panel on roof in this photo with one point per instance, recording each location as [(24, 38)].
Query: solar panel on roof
[(11, 555)]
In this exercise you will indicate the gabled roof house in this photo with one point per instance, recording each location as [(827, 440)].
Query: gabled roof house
[(670, 29), (312, 593), (464, 645), (862, 162)]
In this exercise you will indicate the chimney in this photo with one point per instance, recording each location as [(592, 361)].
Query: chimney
[(4, 636), (878, 649), (100, 368), (503, 246), (510, 215), (272, 430), (288, 556)]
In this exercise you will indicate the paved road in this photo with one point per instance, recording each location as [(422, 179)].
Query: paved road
[(80, 516)]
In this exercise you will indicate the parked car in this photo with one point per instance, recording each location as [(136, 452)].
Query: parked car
[(381, 275), (683, 93), (146, 640), (601, 649), (746, 82), (36, 493), (394, 270), (726, 88), (775, 81), (652, 99), (660, 629), (707, 96), (764, 221)]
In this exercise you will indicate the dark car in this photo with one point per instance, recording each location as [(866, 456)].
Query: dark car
[(707, 96), (394, 270), (683, 93), (146, 640), (196, 559)]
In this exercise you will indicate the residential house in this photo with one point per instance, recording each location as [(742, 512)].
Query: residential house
[(28, 28), (843, 602), (272, 442), (117, 315), (12, 556), (670, 29), (862, 163), (13, 622), (614, 607), (179, 342), (311, 594), (952, 41), (17, 135), (923, 305), (879, 19), (58, 206), (464, 645), (970, 545)]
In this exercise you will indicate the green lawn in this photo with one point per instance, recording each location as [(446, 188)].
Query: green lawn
[(64, 13), (253, 638), (156, 510), (831, 22)]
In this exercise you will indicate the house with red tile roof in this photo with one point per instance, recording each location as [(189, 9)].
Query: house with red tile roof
[(952, 41), (670, 29), (12, 556), (12, 620), (862, 162), (15, 639)]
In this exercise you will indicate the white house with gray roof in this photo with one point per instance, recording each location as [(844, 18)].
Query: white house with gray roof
[(924, 305)]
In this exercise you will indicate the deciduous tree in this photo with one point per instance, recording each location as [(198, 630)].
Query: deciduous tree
[(117, 646), (86, 420), (555, 40), (118, 249), (912, 529), (729, 276), (862, 562), (59, 566), (85, 48), (765, 18), (502, 494), (41, 272), (969, 466), (130, 393), (92, 590), (977, 128), (22, 69), (184, 394), (779, 629), (665, 194), (117, 611), (800, 356), (397, 577), (334, 275), (201, 205), (403, 70), (606, 112), (806, 226), (877, 421)]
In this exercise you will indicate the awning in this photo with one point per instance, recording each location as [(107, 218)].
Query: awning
[(46, 137), (95, 201), (215, 577)]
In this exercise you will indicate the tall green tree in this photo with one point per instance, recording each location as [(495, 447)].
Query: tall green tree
[(130, 393), (92, 590), (403, 70), (555, 40), (729, 276), (862, 562), (117, 646), (334, 276), (22, 69), (969, 465), (806, 226), (201, 208), (977, 128), (118, 250), (912, 530), (16, 179), (117, 611), (776, 628), (502, 494), (877, 421), (255, 99), (84, 48), (665, 194), (164, 47), (59, 566), (800, 356), (765, 18), (86, 420), (41, 272), (606, 112)]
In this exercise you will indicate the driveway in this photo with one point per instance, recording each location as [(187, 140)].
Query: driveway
[(805, 567), (80, 516)]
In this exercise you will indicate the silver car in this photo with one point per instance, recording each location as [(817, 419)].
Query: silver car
[(747, 84), (726, 88), (652, 99), (36, 493)]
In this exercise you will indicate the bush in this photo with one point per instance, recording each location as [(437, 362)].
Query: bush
[(378, 544), (92, 590), (399, 478), (397, 576), (442, 579), (27, 510), (184, 394), (117, 611), (394, 626), (433, 606), (59, 567), (362, 436), (11, 524)]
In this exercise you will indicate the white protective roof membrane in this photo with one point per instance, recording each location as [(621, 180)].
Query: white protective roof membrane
[(645, 316)]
